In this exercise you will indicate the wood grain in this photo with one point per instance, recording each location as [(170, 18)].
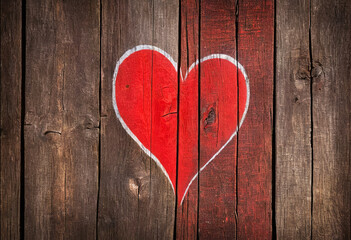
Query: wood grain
[(136, 198), (254, 176), (293, 121), (62, 119), (331, 105), (10, 118), (84, 176), (217, 203), (187, 212)]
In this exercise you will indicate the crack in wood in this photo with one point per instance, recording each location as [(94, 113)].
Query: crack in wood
[(52, 132)]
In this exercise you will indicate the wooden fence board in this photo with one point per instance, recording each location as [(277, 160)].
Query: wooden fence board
[(10, 118), (187, 208), (293, 125), (218, 97), (331, 59), (136, 198), (62, 119), (255, 53)]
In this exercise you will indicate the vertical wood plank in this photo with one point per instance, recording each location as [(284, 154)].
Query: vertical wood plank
[(293, 121), (136, 198), (10, 117), (187, 212), (217, 203), (331, 63), (255, 53), (62, 119)]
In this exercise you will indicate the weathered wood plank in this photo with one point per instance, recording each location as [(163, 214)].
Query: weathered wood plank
[(217, 203), (187, 210), (331, 63), (255, 53), (136, 198), (10, 117), (293, 121), (62, 119)]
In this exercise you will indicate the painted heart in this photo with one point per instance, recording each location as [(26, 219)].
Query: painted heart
[(145, 98)]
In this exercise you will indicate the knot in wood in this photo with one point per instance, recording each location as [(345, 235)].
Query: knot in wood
[(134, 186), (90, 122), (139, 187), (211, 117), (302, 74), (317, 70)]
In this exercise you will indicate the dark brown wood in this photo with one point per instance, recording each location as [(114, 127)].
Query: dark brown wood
[(293, 121), (254, 176), (331, 63), (136, 198), (10, 117), (62, 119)]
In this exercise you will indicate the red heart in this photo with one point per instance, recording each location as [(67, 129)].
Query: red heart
[(145, 93)]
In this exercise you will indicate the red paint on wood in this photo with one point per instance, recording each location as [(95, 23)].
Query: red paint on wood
[(187, 213), (255, 51), (146, 119), (217, 203), (217, 118), (148, 69), (222, 213)]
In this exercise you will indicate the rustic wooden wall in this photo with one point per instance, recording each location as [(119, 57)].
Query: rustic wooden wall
[(313, 119), (69, 170)]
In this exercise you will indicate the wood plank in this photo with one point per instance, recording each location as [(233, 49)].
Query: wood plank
[(136, 198), (293, 122), (255, 53), (331, 63), (62, 119), (10, 118), (187, 210), (217, 203)]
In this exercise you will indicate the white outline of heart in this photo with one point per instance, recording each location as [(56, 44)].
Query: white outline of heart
[(147, 151)]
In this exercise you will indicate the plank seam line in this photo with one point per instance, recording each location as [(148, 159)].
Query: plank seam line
[(311, 107), (99, 147), (198, 128), (178, 97), (151, 95), (274, 154), (238, 118), (23, 111)]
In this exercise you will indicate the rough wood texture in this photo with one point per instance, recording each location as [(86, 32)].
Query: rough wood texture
[(331, 63), (217, 203), (187, 213), (10, 117), (62, 119), (86, 178), (312, 49), (136, 198), (255, 53), (293, 121)]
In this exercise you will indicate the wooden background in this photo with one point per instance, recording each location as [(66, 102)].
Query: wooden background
[(70, 171)]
